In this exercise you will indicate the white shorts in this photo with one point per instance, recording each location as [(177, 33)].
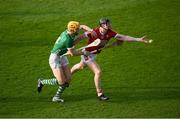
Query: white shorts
[(88, 59), (56, 61)]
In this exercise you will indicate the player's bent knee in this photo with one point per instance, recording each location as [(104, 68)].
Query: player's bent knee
[(98, 72)]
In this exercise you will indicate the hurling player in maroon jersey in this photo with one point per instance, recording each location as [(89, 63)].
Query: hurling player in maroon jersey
[(104, 32)]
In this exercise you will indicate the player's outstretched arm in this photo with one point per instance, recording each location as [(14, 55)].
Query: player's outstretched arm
[(143, 39), (85, 28), (84, 35), (114, 44), (74, 52), (79, 38)]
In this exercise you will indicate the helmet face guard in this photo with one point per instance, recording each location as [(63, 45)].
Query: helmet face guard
[(73, 26), (104, 21)]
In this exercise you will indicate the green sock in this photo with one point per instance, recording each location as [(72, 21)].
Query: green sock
[(49, 82), (60, 90)]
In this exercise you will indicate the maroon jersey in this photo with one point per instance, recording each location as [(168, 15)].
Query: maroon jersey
[(110, 34)]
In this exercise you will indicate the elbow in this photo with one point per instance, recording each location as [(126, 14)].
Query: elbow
[(85, 28)]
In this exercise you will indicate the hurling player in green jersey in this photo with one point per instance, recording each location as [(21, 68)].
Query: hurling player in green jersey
[(59, 62)]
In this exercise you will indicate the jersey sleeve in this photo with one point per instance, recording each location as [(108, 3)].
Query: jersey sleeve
[(112, 33), (86, 34)]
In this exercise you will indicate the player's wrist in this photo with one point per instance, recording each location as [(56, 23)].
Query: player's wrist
[(84, 52), (138, 39)]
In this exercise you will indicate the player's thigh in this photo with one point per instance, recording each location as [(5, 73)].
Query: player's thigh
[(94, 66), (55, 64), (59, 74), (88, 59), (81, 64), (64, 61)]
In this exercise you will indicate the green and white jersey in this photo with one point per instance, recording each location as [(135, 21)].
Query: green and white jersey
[(62, 44)]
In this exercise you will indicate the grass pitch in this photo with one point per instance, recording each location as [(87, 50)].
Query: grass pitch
[(141, 80)]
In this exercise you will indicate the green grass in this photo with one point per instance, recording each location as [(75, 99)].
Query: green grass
[(141, 80)]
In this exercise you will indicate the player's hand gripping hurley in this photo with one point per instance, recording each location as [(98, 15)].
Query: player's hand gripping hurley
[(95, 43)]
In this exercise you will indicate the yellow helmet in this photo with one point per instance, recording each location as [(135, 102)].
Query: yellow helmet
[(73, 26)]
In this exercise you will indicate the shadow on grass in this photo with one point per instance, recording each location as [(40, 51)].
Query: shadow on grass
[(117, 95), (25, 99)]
